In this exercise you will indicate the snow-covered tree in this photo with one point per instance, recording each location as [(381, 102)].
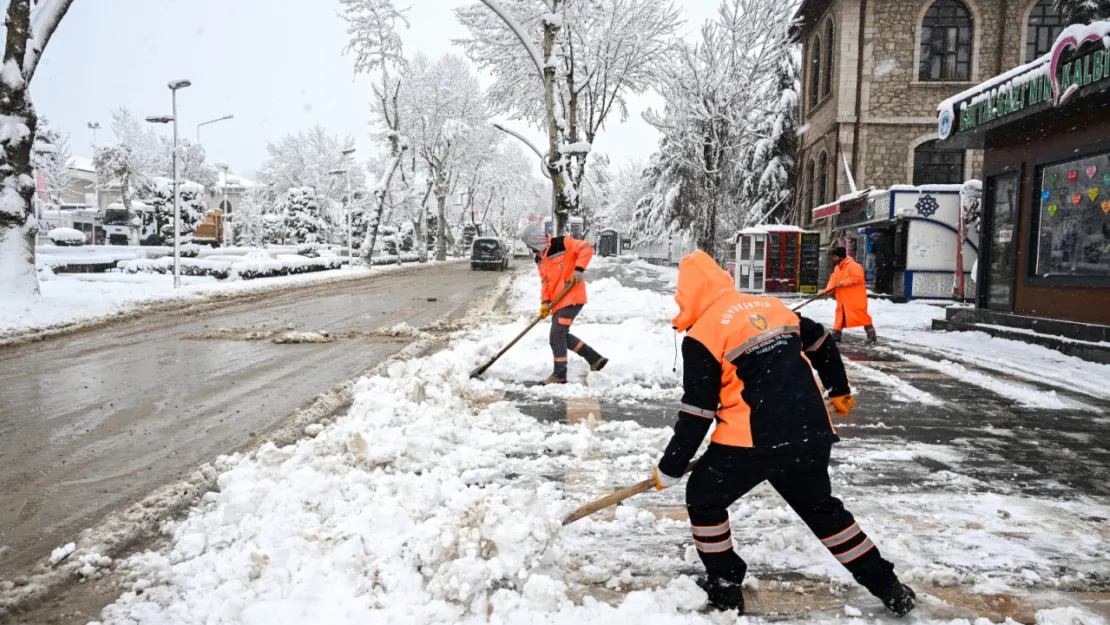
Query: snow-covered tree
[(147, 157), (1084, 11), (51, 158), (193, 206), (306, 159), (113, 164), (377, 46), (596, 54), (302, 215), (713, 109), (247, 223), (768, 169), (626, 189), (29, 26), (447, 109)]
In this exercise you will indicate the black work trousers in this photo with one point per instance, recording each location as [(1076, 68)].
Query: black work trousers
[(721, 478), (562, 340)]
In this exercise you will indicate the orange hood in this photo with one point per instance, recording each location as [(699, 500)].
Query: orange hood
[(700, 283)]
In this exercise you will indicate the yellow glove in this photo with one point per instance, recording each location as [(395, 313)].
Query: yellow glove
[(664, 481), (843, 404), (545, 311)]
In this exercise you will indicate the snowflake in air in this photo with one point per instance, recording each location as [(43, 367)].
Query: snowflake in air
[(927, 206)]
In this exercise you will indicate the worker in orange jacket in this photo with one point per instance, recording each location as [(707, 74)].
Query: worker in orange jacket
[(748, 366), (850, 286), (562, 262)]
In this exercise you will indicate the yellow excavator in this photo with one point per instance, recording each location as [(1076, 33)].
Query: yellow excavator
[(211, 230)]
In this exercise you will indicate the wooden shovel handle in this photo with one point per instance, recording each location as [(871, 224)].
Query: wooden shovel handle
[(617, 497)]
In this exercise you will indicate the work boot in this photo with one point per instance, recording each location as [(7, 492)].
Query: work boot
[(723, 594), (599, 364), (899, 599), (554, 379)]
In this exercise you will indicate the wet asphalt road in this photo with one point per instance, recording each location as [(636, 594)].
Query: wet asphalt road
[(95, 421)]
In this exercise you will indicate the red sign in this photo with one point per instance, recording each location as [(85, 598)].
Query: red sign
[(40, 184), (822, 212)]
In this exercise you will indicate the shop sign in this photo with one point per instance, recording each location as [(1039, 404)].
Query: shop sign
[(1005, 236), (822, 212), (1054, 81)]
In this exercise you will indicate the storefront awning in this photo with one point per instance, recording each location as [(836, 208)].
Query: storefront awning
[(833, 209)]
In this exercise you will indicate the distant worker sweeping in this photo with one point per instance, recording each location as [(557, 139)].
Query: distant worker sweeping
[(562, 262), (747, 368), (850, 286)]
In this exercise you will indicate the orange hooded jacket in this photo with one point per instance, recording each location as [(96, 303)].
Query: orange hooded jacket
[(556, 267), (769, 397), (851, 295)]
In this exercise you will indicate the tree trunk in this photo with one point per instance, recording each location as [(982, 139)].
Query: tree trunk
[(441, 235), (419, 234), (18, 228), (560, 204)]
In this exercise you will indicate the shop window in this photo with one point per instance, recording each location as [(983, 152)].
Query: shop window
[(946, 42), (823, 178), (932, 165), (1073, 219), (829, 43), (1045, 25), (815, 73), (810, 186)]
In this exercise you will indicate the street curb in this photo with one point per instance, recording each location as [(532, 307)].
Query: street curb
[(198, 303), (123, 529)]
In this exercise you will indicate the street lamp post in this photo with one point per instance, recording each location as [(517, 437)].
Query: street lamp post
[(225, 206), (174, 86), (350, 200), (212, 121)]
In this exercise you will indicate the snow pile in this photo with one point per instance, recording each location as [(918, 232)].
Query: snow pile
[(395, 511), (294, 338)]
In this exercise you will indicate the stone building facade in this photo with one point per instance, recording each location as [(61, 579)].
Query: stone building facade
[(873, 72)]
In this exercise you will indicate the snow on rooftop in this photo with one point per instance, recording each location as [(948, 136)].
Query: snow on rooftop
[(769, 228), (927, 188), (81, 163)]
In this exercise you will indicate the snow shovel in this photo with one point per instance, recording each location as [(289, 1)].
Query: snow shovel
[(480, 370), (616, 498), (811, 300)]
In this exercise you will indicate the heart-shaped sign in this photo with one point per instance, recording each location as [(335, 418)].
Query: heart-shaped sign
[(1092, 193), (1062, 46), (1063, 193), (1045, 195), (1052, 208), (1106, 179), (1091, 171), (1052, 178), (1073, 175), (1106, 207), (1076, 199)]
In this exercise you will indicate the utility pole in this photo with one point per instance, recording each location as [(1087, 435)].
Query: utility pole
[(165, 119)]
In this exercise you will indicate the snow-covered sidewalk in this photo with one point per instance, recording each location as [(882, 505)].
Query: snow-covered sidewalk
[(72, 298), (437, 499)]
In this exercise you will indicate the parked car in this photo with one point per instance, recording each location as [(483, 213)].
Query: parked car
[(520, 250), (489, 253)]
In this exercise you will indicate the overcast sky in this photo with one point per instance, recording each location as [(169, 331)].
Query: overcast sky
[(277, 65)]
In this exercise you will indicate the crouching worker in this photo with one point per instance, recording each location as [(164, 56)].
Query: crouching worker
[(746, 363), (562, 263)]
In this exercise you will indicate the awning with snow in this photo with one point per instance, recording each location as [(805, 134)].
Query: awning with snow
[(834, 208), (1078, 66)]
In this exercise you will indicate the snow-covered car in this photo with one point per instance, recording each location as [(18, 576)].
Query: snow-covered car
[(488, 253)]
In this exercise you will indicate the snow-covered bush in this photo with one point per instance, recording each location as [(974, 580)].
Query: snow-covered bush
[(255, 265), (67, 237), (303, 223)]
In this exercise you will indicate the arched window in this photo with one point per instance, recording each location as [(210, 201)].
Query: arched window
[(933, 165), (946, 42), (823, 178), (829, 43), (1045, 25), (809, 195), (815, 73)]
